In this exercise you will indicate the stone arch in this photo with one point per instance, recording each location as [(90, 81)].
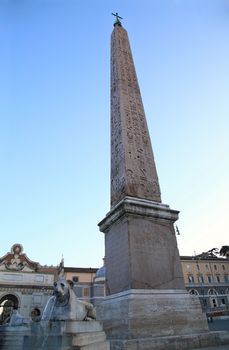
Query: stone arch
[(193, 292), (212, 291), (8, 302)]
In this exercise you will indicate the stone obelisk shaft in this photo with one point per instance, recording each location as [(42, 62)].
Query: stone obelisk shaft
[(133, 170)]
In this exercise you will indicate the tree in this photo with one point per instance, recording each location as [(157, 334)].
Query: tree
[(224, 251), (212, 253)]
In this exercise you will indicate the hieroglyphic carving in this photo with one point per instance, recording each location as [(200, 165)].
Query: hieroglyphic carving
[(133, 171)]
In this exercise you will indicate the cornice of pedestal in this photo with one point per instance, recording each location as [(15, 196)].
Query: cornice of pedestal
[(144, 293), (138, 206)]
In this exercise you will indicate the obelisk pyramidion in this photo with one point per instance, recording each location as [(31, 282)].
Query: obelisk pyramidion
[(146, 298)]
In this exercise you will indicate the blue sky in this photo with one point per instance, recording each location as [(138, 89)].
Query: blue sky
[(54, 120)]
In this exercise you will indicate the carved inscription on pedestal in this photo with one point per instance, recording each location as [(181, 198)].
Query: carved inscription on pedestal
[(133, 170)]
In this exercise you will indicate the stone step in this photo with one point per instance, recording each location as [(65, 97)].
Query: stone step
[(11, 342), (98, 346), (83, 326), (82, 339)]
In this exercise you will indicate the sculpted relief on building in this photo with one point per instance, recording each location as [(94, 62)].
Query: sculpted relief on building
[(16, 260)]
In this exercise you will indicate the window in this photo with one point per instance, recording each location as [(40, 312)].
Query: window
[(198, 267), (206, 267), (209, 279), (226, 278), (215, 267), (200, 279), (86, 292), (205, 302), (218, 278), (75, 279), (190, 279), (223, 267), (223, 301)]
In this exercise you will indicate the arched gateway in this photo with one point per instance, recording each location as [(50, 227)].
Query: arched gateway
[(7, 303)]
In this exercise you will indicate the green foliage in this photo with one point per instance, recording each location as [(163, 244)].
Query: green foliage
[(224, 251)]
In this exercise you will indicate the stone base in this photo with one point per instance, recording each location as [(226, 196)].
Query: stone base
[(183, 342), (156, 319), (66, 335), (86, 335), (11, 338)]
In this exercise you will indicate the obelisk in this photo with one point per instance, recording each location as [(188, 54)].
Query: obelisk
[(146, 299), (143, 252)]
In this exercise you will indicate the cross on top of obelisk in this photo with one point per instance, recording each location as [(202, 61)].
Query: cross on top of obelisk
[(117, 22)]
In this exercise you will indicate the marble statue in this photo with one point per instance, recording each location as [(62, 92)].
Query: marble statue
[(64, 305), (16, 319)]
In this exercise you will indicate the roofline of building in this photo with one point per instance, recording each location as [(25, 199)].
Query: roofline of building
[(26, 286), (202, 258), (80, 269)]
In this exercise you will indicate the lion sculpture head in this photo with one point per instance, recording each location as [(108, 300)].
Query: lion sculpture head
[(66, 305), (61, 290)]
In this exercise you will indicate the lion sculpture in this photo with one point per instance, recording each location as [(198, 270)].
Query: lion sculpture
[(64, 304)]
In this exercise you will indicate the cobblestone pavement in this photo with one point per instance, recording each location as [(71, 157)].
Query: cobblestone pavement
[(218, 324), (222, 347)]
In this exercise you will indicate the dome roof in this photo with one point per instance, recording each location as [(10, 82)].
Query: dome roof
[(100, 274)]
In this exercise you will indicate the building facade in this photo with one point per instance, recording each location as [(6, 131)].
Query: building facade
[(88, 283), (207, 277), (25, 285)]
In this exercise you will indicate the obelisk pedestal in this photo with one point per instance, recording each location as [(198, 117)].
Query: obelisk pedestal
[(147, 306), (141, 248), (147, 302)]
